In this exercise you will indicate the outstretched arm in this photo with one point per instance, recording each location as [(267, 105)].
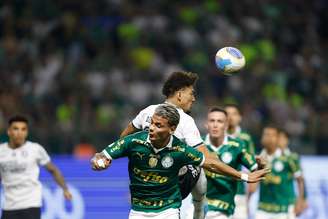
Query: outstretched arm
[(214, 165), (55, 172), (100, 162)]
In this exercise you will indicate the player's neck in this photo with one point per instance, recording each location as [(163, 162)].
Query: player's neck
[(14, 145), (217, 142), (173, 101), (160, 144), (271, 151)]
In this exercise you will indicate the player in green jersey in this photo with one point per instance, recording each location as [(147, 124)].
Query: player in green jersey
[(274, 190), (300, 203), (155, 157), (234, 130), (221, 190)]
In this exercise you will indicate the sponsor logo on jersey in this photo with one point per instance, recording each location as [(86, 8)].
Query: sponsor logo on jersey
[(226, 157), (167, 161)]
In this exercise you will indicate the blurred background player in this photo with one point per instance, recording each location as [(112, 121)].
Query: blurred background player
[(19, 170), (235, 130), (275, 189), (300, 204), (155, 158), (221, 190), (179, 92)]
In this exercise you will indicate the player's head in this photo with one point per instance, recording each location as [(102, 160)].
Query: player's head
[(17, 130), (180, 87), (217, 122), (283, 139), (270, 137), (163, 124), (234, 115)]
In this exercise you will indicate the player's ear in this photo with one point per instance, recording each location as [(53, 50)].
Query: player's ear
[(172, 129)]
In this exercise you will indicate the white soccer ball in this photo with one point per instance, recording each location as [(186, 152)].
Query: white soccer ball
[(229, 60)]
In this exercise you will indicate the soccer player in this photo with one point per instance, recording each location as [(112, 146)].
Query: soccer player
[(300, 204), (19, 169), (274, 190), (155, 158), (221, 190), (179, 92), (234, 130)]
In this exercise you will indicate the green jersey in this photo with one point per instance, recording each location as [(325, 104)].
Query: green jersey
[(296, 160), (275, 189), (221, 190), (250, 147), (153, 172)]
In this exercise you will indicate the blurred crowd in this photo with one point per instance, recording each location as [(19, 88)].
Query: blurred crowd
[(82, 69)]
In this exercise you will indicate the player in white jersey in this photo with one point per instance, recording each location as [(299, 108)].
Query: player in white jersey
[(179, 91), (19, 170)]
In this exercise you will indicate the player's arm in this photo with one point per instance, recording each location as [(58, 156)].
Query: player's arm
[(58, 177), (295, 166), (117, 149), (130, 129), (214, 165)]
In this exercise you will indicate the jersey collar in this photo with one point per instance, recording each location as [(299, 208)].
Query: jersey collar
[(287, 151), (208, 142), (169, 145)]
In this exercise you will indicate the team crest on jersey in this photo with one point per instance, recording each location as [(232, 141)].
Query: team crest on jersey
[(152, 162), (167, 161), (226, 157), (278, 166)]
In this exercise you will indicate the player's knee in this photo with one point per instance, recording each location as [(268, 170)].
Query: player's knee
[(199, 191)]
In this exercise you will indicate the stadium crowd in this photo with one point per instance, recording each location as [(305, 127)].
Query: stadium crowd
[(82, 69)]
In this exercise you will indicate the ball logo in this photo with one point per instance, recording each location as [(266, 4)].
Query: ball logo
[(167, 161), (234, 52), (226, 157)]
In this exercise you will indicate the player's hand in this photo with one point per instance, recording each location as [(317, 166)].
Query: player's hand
[(261, 162), (257, 175), (67, 194), (299, 207), (100, 162)]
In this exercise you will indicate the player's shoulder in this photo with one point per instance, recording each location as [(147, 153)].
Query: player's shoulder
[(137, 137), (3, 146), (35, 145), (244, 135), (149, 109), (235, 142), (178, 145)]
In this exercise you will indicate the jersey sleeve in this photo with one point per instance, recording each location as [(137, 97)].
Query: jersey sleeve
[(117, 149), (249, 143), (42, 156), (191, 134), (247, 159), (295, 165), (192, 156), (139, 121)]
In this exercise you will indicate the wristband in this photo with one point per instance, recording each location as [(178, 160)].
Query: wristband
[(244, 177)]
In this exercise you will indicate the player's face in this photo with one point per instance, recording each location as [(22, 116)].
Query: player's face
[(216, 124), (269, 138), (186, 98), (234, 116), (160, 131), (282, 140), (17, 133)]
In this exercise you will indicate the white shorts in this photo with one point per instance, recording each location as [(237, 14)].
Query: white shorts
[(241, 211), (171, 213), (216, 215), (266, 215), (187, 208)]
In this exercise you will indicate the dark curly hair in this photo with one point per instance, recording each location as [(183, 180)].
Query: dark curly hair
[(177, 81)]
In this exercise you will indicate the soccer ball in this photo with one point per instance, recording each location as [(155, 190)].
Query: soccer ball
[(229, 60)]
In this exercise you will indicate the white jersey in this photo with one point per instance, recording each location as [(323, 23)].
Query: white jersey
[(186, 131), (19, 169)]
